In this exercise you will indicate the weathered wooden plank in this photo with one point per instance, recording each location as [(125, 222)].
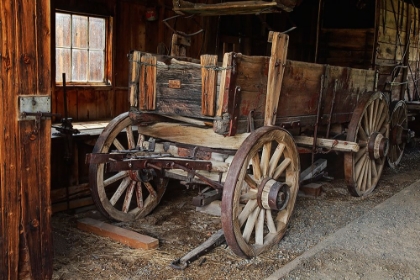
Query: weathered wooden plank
[(124, 236), (209, 84), (232, 8), (134, 76), (147, 81), (276, 68), (223, 100), (202, 137)]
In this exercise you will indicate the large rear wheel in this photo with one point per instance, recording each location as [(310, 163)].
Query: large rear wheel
[(369, 127)]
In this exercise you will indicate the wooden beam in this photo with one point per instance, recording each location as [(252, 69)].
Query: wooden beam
[(233, 7), (124, 236), (147, 85), (209, 84), (276, 68), (332, 144)]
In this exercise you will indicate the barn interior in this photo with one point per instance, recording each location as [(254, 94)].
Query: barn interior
[(90, 49)]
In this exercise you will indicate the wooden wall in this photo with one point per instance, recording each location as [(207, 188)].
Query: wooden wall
[(398, 45), (25, 216)]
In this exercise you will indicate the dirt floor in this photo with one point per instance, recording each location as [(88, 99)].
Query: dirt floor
[(179, 228)]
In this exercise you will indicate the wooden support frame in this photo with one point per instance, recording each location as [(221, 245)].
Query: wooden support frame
[(278, 57), (147, 88), (209, 84)]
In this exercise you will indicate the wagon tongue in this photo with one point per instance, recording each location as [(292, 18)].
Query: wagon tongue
[(214, 241)]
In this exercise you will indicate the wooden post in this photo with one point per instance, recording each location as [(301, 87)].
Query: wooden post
[(278, 57), (25, 69), (209, 84)]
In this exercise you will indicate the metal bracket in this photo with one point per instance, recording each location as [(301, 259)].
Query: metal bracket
[(30, 105)]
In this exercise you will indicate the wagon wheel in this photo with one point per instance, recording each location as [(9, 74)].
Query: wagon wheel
[(260, 191), (369, 127), (398, 124), (117, 195)]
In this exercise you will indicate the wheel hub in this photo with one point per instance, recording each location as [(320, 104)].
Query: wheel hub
[(273, 195), (378, 146)]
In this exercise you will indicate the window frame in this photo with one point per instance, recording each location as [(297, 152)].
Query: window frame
[(107, 82)]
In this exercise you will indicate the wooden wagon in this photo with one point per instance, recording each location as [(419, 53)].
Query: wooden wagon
[(238, 127)]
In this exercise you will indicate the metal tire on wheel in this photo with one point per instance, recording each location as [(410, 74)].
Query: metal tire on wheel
[(369, 127), (260, 191), (117, 195), (398, 124)]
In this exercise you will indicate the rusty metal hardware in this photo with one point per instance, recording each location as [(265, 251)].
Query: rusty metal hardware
[(38, 116), (137, 164), (214, 241), (235, 111)]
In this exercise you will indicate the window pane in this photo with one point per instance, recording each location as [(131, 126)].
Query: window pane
[(97, 33), (80, 31), (79, 64), (62, 30), (96, 66), (63, 65)]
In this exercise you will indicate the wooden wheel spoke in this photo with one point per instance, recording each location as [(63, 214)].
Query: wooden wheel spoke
[(374, 170), (359, 168), (270, 222), (362, 134), (265, 159), (128, 196), (150, 188), (361, 182), (371, 120), (281, 168), (251, 183), (259, 229), (379, 112), (250, 224), (248, 196), (383, 130), (139, 195), (121, 188), (381, 122), (275, 158), (365, 125), (130, 138), (248, 209), (359, 155), (256, 169), (118, 145), (119, 176)]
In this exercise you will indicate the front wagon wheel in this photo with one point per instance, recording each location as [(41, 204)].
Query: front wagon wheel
[(260, 191), (115, 194)]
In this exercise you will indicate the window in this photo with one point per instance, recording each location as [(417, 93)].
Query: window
[(80, 43)]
